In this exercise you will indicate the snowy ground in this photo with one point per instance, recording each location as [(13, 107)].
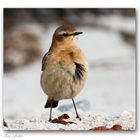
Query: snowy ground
[(110, 87), (89, 121)]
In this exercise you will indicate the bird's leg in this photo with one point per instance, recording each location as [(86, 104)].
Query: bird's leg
[(77, 116), (50, 119)]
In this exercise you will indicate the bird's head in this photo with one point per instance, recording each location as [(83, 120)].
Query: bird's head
[(66, 34)]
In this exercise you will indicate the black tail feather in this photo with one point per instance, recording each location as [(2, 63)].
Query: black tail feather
[(48, 104)]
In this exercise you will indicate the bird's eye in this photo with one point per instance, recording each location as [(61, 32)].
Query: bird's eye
[(65, 35)]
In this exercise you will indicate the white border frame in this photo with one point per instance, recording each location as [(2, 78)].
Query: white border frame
[(68, 4)]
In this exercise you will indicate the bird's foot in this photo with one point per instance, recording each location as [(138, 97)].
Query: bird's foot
[(78, 118), (50, 120)]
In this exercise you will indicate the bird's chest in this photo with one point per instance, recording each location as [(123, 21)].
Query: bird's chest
[(63, 76), (60, 62)]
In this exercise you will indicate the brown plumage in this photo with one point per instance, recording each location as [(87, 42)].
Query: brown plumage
[(64, 68)]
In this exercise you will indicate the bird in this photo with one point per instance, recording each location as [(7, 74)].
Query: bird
[(64, 68)]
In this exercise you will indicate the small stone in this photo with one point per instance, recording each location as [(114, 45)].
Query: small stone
[(116, 127)]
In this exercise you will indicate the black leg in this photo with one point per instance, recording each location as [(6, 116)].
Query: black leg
[(77, 116), (50, 119)]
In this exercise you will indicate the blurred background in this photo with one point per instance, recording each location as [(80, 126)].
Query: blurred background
[(108, 41)]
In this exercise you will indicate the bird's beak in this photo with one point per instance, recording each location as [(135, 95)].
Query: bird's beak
[(75, 34)]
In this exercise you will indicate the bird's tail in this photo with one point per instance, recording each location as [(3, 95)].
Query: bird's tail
[(51, 102)]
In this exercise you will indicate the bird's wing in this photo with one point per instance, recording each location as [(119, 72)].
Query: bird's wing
[(79, 71), (45, 57)]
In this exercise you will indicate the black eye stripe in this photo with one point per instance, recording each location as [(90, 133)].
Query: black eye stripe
[(65, 34), (72, 34)]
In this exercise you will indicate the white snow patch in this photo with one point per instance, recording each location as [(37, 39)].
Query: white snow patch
[(89, 120)]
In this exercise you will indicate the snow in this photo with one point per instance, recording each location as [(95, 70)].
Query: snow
[(89, 121)]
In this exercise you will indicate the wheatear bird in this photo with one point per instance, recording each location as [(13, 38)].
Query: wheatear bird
[(64, 68)]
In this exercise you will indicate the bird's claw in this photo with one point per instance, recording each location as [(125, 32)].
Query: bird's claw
[(50, 120), (78, 118)]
